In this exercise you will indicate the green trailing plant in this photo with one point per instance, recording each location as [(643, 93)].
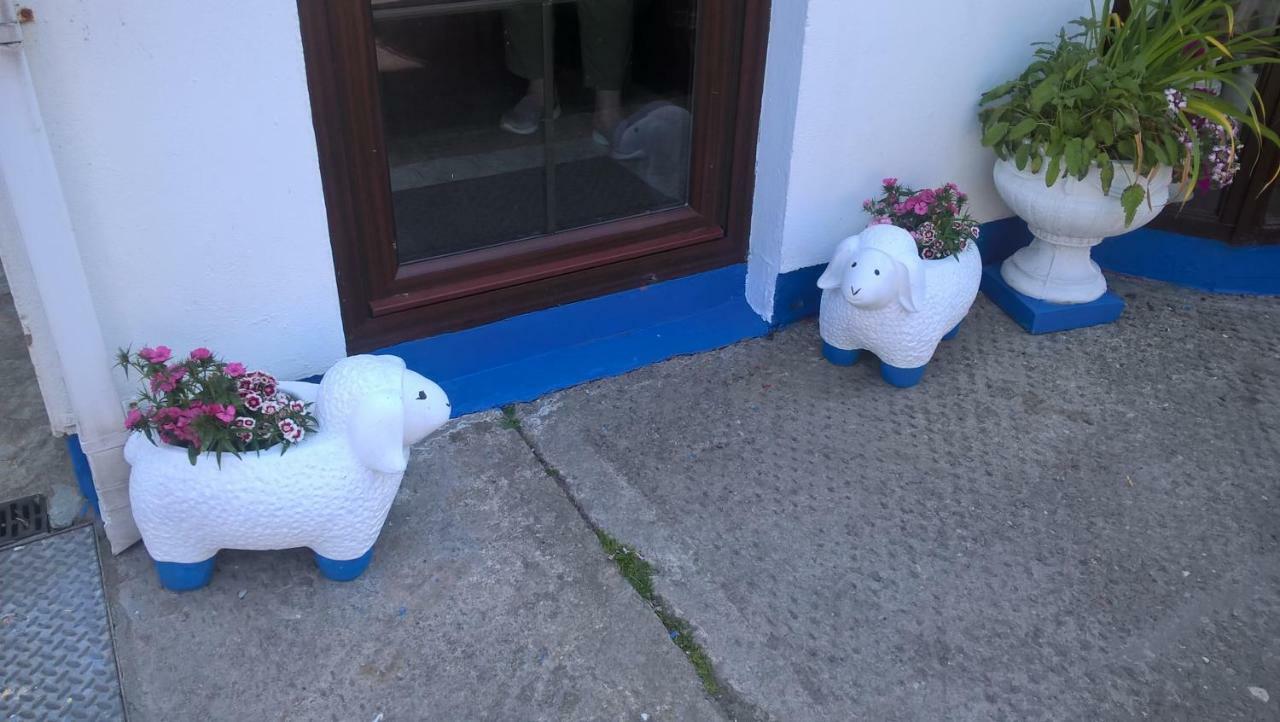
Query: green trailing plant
[(1131, 96)]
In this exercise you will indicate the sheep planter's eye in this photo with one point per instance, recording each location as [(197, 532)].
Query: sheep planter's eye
[(855, 265), (877, 271), (422, 395)]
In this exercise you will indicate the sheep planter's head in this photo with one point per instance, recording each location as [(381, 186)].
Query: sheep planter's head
[(382, 407), (877, 267)]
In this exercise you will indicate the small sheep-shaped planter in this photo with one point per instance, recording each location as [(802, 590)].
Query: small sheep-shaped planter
[(330, 493), (878, 295)]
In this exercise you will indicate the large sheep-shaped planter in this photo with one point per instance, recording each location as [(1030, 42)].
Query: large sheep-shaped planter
[(330, 493), (878, 295)]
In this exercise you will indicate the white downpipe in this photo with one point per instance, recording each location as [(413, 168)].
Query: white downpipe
[(44, 228)]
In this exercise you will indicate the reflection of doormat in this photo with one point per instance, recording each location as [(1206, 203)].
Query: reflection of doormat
[(479, 212), (55, 641)]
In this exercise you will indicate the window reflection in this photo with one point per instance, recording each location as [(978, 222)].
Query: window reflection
[(513, 119)]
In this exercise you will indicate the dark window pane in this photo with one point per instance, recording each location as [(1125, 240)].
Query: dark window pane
[(624, 75), (475, 158), (458, 181)]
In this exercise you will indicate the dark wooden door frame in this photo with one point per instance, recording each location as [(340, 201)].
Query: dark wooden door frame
[(384, 302)]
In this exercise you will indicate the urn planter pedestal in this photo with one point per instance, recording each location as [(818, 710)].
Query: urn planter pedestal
[(1067, 220), (1053, 284)]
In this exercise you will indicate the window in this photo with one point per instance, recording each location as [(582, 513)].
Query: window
[(483, 158)]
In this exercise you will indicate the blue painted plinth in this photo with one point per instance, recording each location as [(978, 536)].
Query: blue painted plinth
[(343, 570), (1038, 316), (839, 356), (902, 378), (178, 577)]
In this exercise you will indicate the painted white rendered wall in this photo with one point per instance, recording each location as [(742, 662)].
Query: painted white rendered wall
[(884, 89), (182, 135)]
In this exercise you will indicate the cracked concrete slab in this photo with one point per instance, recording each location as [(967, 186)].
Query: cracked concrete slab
[(1072, 526), (489, 598)]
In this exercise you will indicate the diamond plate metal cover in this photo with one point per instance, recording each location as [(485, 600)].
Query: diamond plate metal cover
[(56, 660)]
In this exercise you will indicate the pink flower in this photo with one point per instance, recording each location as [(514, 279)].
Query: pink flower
[(225, 414), (245, 422), (252, 401), (879, 221), (235, 370), (271, 408), (157, 355), (133, 419), (201, 354), (889, 182), (297, 407)]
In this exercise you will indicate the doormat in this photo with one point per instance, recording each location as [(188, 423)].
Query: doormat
[(55, 639), (479, 212)]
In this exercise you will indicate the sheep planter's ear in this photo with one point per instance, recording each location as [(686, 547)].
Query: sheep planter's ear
[(831, 277), (376, 431), (911, 282)]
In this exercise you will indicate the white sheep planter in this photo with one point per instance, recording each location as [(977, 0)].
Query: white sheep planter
[(330, 493), (878, 295)]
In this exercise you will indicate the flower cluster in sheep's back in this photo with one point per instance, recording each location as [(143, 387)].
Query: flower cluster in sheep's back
[(935, 217), (204, 404)]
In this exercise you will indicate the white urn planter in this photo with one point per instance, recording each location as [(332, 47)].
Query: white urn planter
[(330, 493), (880, 296), (1067, 220)]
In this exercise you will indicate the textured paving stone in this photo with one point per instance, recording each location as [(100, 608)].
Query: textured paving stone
[(488, 598), (56, 661), (1073, 526)]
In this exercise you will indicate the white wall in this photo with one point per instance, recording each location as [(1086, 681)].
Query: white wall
[(182, 134), (885, 89)]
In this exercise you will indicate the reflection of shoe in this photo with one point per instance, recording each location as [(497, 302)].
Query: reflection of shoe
[(610, 141), (391, 60), (524, 116)]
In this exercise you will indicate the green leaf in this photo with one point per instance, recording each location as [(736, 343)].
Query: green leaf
[(1021, 157), (1104, 131), (995, 134), (999, 91), (1051, 173), (1037, 161), (1045, 91), (1131, 199), (1075, 156), (1024, 126), (1107, 172)]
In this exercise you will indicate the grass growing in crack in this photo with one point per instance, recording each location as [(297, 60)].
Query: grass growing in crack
[(639, 574), (509, 418)]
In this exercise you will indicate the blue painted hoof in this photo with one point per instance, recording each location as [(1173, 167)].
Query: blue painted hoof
[(178, 577), (344, 570), (902, 378), (839, 356), (952, 333)]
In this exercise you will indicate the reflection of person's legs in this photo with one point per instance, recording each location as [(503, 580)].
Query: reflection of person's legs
[(606, 53), (523, 29)]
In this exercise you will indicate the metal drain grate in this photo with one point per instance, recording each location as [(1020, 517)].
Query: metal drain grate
[(21, 518)]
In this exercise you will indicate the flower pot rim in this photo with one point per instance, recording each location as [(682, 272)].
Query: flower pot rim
[(244, 455), (1164, 175)]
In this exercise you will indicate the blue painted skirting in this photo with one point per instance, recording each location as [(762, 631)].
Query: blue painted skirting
[(523, 357), (1038, 316), (80, 467), (1200, 263)]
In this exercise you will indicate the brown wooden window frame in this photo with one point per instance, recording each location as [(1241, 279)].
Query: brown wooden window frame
[(384, 302)]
